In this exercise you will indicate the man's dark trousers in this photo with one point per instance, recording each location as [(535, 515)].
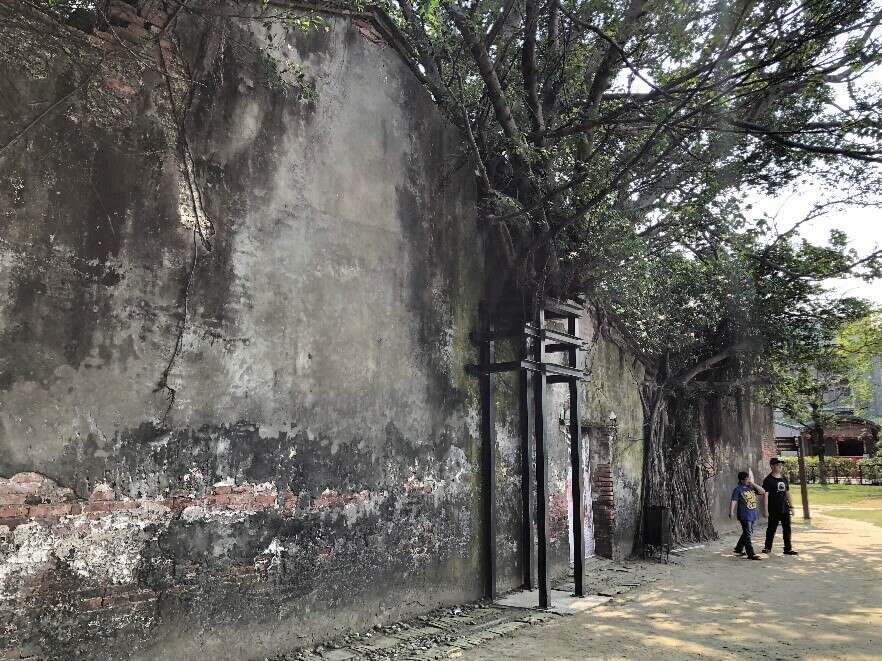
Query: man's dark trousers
[(744, 542), (774, 519)]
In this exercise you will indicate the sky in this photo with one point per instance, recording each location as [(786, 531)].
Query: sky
[(863, 226)]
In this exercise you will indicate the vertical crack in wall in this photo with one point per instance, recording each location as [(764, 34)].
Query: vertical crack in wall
[(163, 384), (203, 228)]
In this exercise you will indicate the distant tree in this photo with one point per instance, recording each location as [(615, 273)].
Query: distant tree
[(720, 318), (812, 381)]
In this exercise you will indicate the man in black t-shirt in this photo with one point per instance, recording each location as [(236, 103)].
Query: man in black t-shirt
[(778, 506)]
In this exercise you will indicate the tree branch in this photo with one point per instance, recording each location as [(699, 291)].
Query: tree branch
[(684, 377), (488, 75)]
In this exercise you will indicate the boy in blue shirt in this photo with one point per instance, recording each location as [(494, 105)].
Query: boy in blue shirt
[(746, 504)]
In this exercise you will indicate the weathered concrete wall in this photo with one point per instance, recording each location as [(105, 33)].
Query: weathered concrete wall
[(734, 428), (737, 429), (317, 467), (613, 417), (509, 461)]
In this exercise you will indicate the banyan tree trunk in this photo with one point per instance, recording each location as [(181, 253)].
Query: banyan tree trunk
[(674, 465)]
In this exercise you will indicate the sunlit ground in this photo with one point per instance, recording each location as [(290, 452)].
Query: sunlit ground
[(825, 603), (870, 516)]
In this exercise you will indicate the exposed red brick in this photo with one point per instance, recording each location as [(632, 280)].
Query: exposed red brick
[(112, 505), (603, 506), (12, 511), (49, 510), (178, 503), (330, 498), (92, 603), (289, 504), (11, 653)]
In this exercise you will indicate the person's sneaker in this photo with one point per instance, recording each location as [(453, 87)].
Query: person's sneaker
[(766, 551), (754, 557), (791, 552), (737, 552)]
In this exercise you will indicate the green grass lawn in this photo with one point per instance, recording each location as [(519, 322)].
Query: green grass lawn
[(869, 516), (843, 495), (839, 494)]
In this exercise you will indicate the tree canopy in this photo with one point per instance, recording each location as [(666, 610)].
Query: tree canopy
[(617, 144), (608, 131)]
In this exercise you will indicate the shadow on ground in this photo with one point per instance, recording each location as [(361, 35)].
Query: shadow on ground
[(824, 604)]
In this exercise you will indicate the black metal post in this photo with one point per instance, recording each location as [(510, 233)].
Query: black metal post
[(803, 487), (577, 470), (578, 504), (540, 387), (527, 476), (488, 441)]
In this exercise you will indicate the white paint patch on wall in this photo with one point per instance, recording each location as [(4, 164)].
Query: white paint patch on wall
[(107, 549)]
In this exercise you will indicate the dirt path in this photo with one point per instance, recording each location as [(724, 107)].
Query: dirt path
[(824, 604)]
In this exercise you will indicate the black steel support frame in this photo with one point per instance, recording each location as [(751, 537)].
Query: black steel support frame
[(528, 477), (535, 374), (539, 400), (488, 441), (577, 469)]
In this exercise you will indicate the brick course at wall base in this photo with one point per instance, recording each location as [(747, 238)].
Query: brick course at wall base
[(96, 560)]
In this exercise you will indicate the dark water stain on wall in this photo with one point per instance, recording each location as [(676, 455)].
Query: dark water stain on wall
[(84, 199)]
